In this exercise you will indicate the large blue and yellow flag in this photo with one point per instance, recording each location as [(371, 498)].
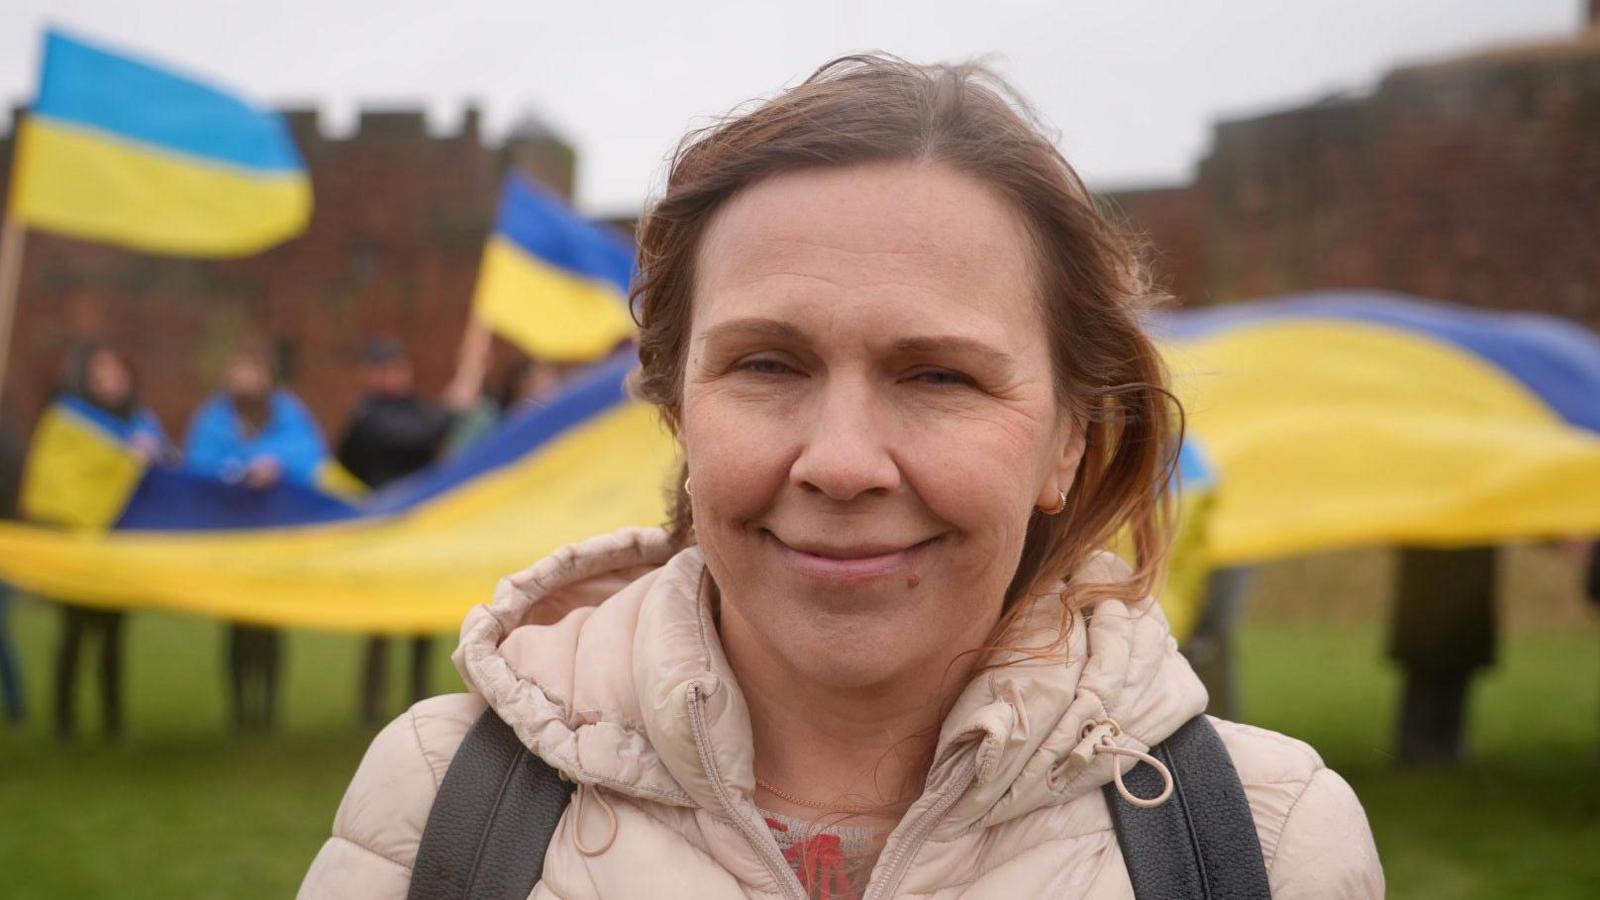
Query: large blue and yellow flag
[(1329, 420), (551, 282), (412, 557), (118, 150), (1347, 418)]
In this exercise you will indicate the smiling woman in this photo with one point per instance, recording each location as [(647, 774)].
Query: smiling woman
[(881, 647), (868, 343)]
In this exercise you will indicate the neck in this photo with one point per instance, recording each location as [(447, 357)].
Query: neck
[(252, 411), (122, 409), (857, 749)]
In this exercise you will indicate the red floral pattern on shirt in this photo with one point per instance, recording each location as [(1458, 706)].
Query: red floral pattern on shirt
[(820, 864)]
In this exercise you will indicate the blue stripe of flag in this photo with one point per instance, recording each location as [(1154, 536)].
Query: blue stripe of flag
[(95, 88), (541, 225), (1555, 359)]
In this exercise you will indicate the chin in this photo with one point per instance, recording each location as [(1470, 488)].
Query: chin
[(856, 632), (855, 649)]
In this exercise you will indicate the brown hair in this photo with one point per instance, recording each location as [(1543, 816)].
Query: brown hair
[(1108, 373)]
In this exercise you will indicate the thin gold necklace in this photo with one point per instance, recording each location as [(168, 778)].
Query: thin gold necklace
[(813, 804)]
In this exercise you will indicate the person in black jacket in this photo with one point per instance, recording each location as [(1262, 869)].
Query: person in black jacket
[(1445, 630), (1592, 582), (394, 432)]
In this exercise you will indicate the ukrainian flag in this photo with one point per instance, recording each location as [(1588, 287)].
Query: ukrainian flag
[(1327, 420), (81, 468), (120, 151), (1346, 418), (551, 282)]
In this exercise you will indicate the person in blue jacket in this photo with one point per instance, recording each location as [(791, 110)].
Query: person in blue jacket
[(259, 435), (254, 432)]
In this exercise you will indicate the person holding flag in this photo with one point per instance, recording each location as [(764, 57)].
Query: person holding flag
[(552, 283), (89, 451)]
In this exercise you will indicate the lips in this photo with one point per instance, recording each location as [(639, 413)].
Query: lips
[(848, 551), (849, 563)]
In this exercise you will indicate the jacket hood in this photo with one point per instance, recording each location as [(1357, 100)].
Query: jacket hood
[(604, 659)]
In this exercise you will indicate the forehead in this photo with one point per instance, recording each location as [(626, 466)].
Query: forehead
[(246, 360), (912, 241)]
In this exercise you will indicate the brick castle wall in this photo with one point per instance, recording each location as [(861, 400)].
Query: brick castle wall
[(1476, 180)]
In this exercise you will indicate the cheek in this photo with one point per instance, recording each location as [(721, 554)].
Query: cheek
[(981, 473), (738, 458)]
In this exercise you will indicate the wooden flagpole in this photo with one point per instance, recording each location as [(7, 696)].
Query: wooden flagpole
[(12, 234)]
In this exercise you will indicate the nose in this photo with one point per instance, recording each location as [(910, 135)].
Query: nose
[(846, 454)]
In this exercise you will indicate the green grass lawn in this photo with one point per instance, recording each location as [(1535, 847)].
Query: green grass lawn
[(1521, 820), (178, 809)]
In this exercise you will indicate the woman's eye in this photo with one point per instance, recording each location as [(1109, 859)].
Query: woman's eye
[(765, 367), (942, 378)]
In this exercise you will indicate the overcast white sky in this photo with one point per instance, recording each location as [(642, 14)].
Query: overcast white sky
[(1131, 85)]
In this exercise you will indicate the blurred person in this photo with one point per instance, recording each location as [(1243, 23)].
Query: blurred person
[(1211, 647), (527, 381), (472, 425), (1215, 594), (76, 485), (257, 434), (880, 648), (11, 690), (1592, 581), (12, 693), (479, 411), (393, 433), (536, 381), (1444, 631)]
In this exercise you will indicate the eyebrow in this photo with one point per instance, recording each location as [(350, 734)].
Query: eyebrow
[(934, 345), (770, 329), (952, 345)]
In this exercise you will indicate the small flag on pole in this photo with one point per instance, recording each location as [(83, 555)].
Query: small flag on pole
[(551, 282), (118, 150)]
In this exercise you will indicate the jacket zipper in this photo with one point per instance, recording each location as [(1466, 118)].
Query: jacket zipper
[(760, 840), (907, 847)]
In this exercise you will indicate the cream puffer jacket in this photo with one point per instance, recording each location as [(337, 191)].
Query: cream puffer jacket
[(631, 697)]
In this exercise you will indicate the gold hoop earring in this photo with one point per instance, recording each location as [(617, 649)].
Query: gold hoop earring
[(686, 488), (1061, 504)]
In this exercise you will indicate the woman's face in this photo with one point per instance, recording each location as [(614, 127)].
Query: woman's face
[(869, 416), (107, 379), (246, 377)]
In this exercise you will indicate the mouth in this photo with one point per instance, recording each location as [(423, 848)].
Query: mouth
[(850, 564)]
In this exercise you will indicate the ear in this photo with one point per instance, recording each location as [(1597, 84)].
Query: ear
[(1066, 471)]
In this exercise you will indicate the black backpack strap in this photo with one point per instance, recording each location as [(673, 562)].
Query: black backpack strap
[(1201, 844), (494, 815)]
